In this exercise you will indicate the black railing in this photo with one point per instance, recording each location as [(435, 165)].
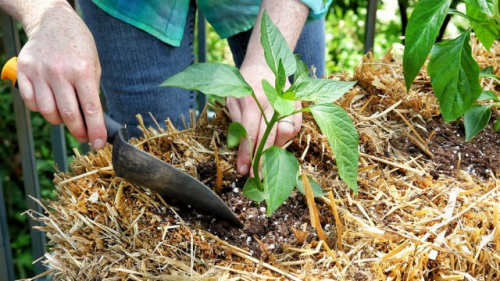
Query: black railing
[(26, 143), (6, 263)]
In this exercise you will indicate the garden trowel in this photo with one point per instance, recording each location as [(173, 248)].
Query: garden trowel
[(141, 168)]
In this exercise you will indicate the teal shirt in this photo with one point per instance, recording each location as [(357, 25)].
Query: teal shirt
[(166, 19)]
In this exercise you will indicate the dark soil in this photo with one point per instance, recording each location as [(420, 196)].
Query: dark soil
[(273, 232), (479, 157)]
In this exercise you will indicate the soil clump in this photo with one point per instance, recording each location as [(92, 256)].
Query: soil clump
[(479, 157)]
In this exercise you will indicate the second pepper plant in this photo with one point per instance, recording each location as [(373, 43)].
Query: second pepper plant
[(454, 72), (280, 168)]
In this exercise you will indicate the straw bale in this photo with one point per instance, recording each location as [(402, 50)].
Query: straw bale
[(403, 225)]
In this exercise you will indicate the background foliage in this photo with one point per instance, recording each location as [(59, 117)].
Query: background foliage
[(345, 28)]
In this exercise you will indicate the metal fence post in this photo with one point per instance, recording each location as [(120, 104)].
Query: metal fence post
[(371, 21), (202, 54), (6, 265), (25, 139), (59, 147)]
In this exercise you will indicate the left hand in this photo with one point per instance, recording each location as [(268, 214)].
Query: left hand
[(246, 111)]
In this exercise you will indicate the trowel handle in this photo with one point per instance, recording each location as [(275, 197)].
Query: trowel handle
[(112, 127), (9, 72)]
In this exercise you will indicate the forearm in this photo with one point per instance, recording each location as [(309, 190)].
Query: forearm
[(289, 16), (30, 13)]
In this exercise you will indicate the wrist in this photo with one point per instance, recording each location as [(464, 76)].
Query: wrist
[(32, 15), (257, 69)]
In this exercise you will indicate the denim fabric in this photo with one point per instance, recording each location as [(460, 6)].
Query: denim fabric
[(134, 64), (165, 19), (310, 47)]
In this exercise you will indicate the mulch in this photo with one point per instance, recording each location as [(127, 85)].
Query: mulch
[(427, 208)]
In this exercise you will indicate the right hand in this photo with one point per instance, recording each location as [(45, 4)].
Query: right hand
[(58, 72)]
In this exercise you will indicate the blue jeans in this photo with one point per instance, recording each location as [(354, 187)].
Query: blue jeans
[(134, 64)]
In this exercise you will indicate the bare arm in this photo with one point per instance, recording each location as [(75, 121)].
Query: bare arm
[(58, 68), (289, 16)]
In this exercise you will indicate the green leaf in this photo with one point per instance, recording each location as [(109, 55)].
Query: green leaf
[(302, 68), (321, 90), (275, 47), (251, 190), (487, 96), (498, 8), (316, 188), (343, 138), (486, 7), (289, 95), (279, 169), (421, 32), (280, 78), (496, 127), (475, 120), (454, 76), (281, 105), (212, 79), (486, 72), (235, 132), (476, 11)]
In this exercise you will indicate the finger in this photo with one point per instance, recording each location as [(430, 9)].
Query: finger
[(234, 109), (26, 90), (289, 126), (251, 122), (69, 110), (88, 96), (269, 111), (285, 130), (45, 101), (297, 118)]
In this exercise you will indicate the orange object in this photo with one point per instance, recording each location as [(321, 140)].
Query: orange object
[(9, 70)]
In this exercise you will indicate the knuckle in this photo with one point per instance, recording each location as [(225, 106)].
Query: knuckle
[(46, 109), (57, 68), (83, 67), (24, 63), (92, 108), (68, 114)]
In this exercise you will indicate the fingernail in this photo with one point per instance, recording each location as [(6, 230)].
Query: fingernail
[(244, 169), (98, 143)]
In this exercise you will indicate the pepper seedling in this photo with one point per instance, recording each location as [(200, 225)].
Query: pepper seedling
[(280, 168), (453, 70)]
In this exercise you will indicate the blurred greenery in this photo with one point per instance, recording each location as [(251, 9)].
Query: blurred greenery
[(345, 32), (345, 28), (11, 173), (11, 176)]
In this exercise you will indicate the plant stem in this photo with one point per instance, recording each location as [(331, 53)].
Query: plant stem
[(496, 127), (258, 153), (455, 12), (260, 107), (306, 109)]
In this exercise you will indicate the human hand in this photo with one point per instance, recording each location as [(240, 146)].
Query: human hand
[(246, 111), (58, 71)]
